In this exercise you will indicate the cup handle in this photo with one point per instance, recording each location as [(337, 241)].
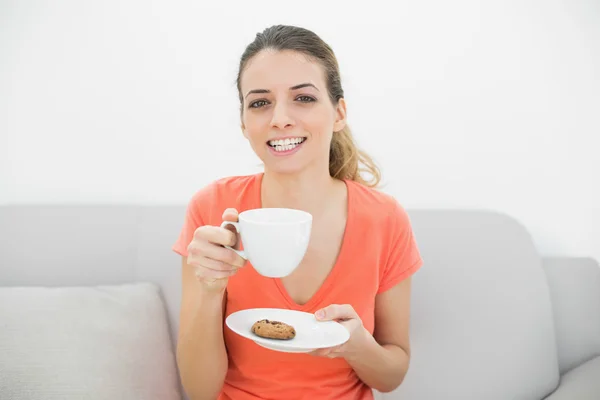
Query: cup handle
[(236, 225)]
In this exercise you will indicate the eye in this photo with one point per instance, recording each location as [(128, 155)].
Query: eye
[(258, 104), (305, 99)]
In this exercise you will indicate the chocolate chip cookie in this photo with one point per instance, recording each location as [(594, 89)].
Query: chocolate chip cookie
[(273, 330)]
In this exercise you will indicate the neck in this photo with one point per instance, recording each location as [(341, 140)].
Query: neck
[(305, 191)]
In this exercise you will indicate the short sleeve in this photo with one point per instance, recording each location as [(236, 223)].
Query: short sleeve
[(403, 258), (192, 220)]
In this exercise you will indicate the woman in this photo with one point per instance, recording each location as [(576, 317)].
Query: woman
[(361, 253)]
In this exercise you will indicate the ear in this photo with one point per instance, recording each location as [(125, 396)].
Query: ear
[(244, 130), (340, 116)]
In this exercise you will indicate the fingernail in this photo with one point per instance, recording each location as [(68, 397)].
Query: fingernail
[(320, 314)]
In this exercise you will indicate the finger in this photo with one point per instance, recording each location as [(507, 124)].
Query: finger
[(336, 311), (216, 234), (213, 283), (231, 214), (351, 324), (205, 262), (202, 248), (330, 352), (222, 254), (211, 274), (321, 352)]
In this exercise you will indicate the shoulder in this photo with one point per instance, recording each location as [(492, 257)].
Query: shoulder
[(375, 205), (222, 193)]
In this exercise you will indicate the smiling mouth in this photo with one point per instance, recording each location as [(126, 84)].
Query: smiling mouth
[(286, 144)]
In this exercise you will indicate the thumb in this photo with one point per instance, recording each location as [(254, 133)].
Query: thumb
[(231, 214), (335, 312)]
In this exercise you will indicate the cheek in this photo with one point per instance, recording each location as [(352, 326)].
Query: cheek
[(320, 125), (255, 127)]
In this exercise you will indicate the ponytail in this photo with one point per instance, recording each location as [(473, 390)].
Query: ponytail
[(346, 161)]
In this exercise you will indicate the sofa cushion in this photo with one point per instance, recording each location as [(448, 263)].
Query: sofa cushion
[(118, 243), (102, 342), (581, 383)]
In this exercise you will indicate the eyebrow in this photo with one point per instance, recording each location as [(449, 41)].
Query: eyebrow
[(296, 87)]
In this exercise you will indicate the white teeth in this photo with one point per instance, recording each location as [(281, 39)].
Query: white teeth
[(285, 144)]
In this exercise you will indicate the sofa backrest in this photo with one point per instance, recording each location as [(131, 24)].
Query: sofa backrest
[(74, 245), (481, 315), (482, 325)]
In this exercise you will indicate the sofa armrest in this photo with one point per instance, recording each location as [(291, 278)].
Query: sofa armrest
[(574, 285)]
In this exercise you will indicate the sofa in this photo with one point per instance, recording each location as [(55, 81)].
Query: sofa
[(89, 298)]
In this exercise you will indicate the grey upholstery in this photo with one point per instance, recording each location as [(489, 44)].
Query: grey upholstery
[(92, 343), (92, 245), (483, 323), (580, 383), (574, 288)]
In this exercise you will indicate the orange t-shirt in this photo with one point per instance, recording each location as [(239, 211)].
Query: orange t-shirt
[(378, 251)]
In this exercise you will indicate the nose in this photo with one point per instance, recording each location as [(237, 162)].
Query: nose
[(281, 118)]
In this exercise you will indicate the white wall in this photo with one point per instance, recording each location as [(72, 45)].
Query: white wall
[(464, 104)]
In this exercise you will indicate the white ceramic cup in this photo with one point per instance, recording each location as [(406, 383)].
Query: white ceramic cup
[(274, 239)]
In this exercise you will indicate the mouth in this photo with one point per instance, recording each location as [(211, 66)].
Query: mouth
[(283, 145)]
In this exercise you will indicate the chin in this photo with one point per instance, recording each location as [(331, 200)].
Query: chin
[(291, 164), (284, 169)]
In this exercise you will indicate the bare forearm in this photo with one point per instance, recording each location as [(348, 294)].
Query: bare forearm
[(381, 367), (201, 353)]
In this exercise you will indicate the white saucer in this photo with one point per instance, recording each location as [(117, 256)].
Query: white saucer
[(310, 333)]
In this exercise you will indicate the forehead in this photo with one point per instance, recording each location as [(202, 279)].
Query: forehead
[(281, 70)]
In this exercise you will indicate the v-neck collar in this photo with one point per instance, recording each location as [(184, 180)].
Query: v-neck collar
[(337, 266)]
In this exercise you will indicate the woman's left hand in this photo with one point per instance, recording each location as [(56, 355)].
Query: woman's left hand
[(359, 336)]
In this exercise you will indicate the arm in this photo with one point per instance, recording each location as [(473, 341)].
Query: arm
[(201, 353), (383, 358), (382, 361)]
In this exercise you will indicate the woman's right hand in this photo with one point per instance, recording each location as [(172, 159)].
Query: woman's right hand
[(213, 263)]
